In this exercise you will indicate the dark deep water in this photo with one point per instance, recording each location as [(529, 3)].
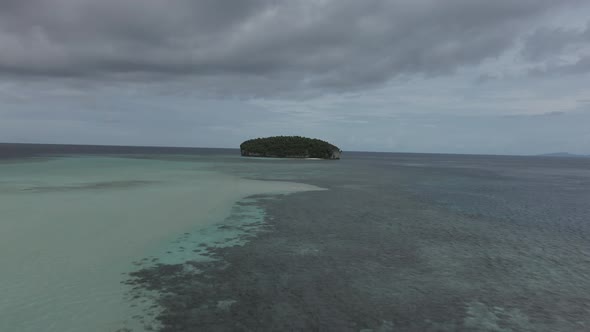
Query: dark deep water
[(398, 242)]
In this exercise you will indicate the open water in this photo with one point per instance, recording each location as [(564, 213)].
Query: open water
[(119, 239)]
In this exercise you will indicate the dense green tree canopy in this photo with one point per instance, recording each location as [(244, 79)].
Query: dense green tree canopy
[(289, 146)]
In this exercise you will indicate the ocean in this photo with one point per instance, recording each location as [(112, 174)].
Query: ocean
[(182, 239)]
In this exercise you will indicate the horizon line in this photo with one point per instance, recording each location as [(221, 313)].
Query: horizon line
[(237, 148)]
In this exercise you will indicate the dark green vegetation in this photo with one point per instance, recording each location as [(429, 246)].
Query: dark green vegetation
[(289, 147)]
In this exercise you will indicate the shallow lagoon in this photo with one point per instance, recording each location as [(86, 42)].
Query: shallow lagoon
[(72, 227), (404, 242)]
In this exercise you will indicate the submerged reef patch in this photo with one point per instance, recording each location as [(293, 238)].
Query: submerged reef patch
[(369, 256)]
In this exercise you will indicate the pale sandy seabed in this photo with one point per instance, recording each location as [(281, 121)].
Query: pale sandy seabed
[(72, 228)]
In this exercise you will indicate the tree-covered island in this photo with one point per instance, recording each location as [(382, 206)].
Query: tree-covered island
[(289, 147)]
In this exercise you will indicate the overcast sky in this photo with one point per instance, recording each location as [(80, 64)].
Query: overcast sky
[(453, 76)]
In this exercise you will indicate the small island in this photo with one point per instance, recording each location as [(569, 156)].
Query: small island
[(289, 147)]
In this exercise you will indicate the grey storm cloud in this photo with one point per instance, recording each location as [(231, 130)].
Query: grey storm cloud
[(548, 46), (580, 66), (547, 42), (261, 45)]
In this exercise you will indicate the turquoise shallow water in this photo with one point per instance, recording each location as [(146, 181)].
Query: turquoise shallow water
[(71, 227)]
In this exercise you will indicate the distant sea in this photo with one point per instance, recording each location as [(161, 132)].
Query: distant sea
[(183, 239)]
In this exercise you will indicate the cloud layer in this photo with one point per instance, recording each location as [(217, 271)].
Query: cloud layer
[(559, 51), (502, 76), (259, 46)]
